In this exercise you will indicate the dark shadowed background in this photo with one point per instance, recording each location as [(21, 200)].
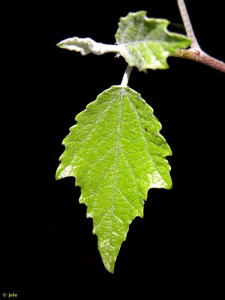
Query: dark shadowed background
[(48, 250)]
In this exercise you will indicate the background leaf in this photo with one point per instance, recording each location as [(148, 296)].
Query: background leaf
[(143, 42), (116, 154), (146, 43)]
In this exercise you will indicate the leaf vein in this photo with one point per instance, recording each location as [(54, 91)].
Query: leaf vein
[(143, 137)]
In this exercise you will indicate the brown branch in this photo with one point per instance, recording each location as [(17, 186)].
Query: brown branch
[(200, 56), (195, 52), (187, 23)]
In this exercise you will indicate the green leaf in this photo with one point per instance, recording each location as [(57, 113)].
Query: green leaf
[(146, 43), (116, 154)]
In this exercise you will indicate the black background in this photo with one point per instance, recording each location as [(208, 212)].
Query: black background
[(47, 246)]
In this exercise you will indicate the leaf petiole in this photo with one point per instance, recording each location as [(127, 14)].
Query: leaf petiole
[(126, 76)]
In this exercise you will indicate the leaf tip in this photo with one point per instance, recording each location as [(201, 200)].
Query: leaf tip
[(109, 267), (59, 44)]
